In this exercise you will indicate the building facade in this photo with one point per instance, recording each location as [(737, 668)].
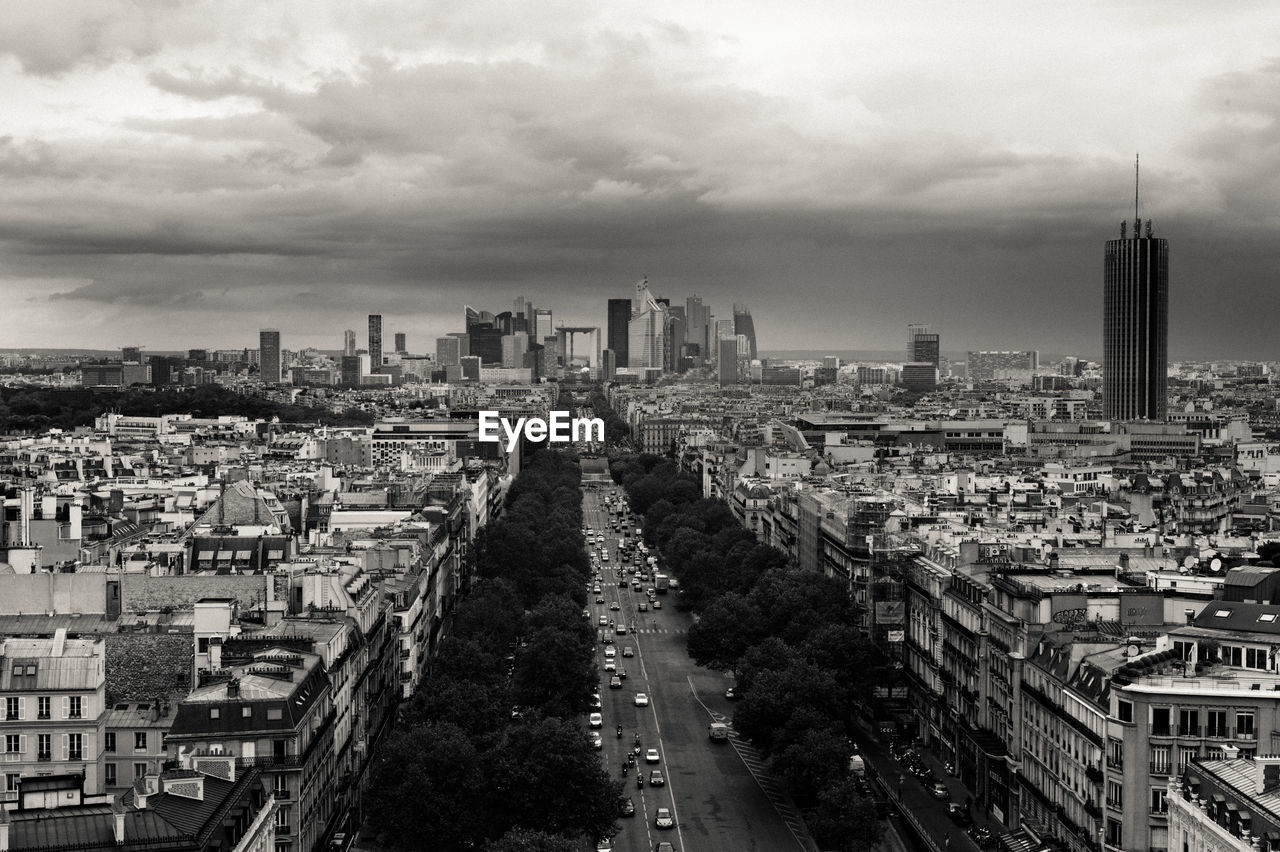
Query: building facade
[(1135, 326)]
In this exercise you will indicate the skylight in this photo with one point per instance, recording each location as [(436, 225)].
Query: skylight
[(1222, 613), (1267, 617)]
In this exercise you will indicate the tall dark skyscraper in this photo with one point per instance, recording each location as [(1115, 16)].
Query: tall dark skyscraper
[(1135, 325), (743, 324), (401, 345), (618, 320), (375, 342), (922, 346), (269, 356)]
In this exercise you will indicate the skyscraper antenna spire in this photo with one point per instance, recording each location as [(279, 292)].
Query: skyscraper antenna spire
[(1135, 192)]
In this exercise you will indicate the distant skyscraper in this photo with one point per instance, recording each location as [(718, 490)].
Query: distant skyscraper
[(697, 317), (514, 346), (922, 346), (349, 342), (131, 354), (448, 351), (375, 341), (674, 344), (727, 355), (269, 356), (608, 365), (351, 373), (742, 324), (543, 326), (647, 331), (400, 342), (989, 365), (619, 319), (1135, 346)]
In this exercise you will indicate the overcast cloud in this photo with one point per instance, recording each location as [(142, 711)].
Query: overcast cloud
[(179, 174)]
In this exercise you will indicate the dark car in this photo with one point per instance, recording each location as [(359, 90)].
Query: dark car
[(959, 815), (656, 779), (981, 835), (628, 807)]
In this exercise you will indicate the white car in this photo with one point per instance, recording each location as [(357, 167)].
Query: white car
[(610, 665), (642, 700), (651, 756), (596, 741), (664, 819), (595, 720)]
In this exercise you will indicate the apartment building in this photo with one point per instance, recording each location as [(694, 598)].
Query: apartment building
[(53, 693)]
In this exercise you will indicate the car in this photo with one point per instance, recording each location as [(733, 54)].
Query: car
[(664, 819), (610, 665), (651, 756), (622, 584), (635, 585), (981, 835), (642, 606), (621, 673), (732, 693), (642, 700), (958, 814), (605, 845), (628, 807), (650, 591), (595, 701), (599, 600), (628, 652), (664, 846), (615, 682), (613, 606), (656, 779), (607, 639), (586, 613), (657, 604), (610, 653), (603, 621), (596, 741), (595, 720), (939, 791)]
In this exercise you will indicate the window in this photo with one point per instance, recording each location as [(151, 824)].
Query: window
[(275, 714), (246, 712), (139, 770), (44, 747), (1158, 804), (140, 741), (109, 741), (75, 706), (42, 707), (1115, 794), (1215, 723), (1124, 711), (202, 645), (74, 747), (214, 713), (1244, 724), (1115, 753), (1189, 723), (1160, 721), (13, 743), (1255, 658), (11, 781), (109, 774), (1186, 755), (12, 708), (31, 670), (1160, 760)]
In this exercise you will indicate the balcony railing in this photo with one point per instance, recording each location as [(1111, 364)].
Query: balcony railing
[(44, 756), (1190, 731), (1161, 767), (1115, 761)]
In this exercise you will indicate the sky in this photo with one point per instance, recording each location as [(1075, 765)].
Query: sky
[(179, 174)]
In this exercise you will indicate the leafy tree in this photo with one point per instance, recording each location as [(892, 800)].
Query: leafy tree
[(724, 631), (533, 840), (433, 763), (810, 752), (546, 775), (843, 820), (472, 707)]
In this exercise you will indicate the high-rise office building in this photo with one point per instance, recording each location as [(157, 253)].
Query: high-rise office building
[(743, 324), (375, 341), (448, 351), (608, 365), (619, 318), (727, 355), (1135, 325), (543, 326), (349, 342), (674, 354), (131, 355), (989, 365), (400, 342), (269, 365), (351, 372), (647, 331), (514, 346), (697, 319), (922, 346)]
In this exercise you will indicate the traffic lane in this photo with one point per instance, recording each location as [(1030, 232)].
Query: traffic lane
[(718, 803)]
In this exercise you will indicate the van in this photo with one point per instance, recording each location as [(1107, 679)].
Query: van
[(718, 732)]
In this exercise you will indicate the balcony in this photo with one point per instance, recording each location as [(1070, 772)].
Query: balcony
[(1161, 767), (44, 756), (1189, 731), (1115, 761), (1115, 804)]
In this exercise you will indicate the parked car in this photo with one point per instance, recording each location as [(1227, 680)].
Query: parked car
[(628, 807), (959, 815), (596, 741), (732, 693), (981, 835), (939, 791), (595, 720)]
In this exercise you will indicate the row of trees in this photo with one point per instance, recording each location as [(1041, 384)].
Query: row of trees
[(616, 431), (37, 409), (490, 753), (791, 638)]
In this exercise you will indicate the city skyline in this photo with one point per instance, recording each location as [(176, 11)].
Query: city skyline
[(174, 171)]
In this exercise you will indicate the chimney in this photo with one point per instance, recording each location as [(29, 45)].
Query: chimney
[(1230, 752), (233, 688), (117, 819), (215, 653), (75, 516)]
